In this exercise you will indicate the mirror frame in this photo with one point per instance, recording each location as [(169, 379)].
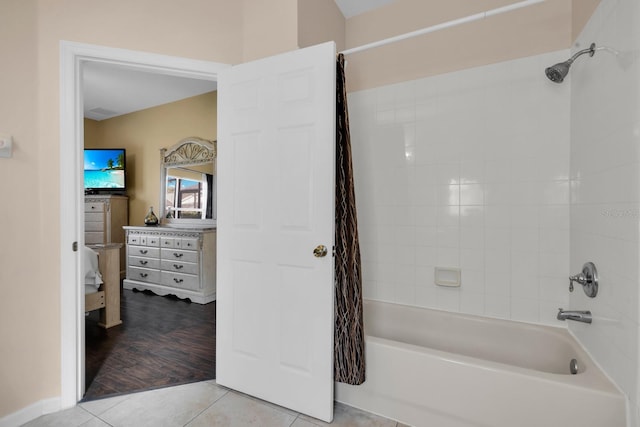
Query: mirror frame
[(189, 151)]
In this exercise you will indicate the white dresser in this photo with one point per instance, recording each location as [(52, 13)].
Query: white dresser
[(172, 261), (104, 217)]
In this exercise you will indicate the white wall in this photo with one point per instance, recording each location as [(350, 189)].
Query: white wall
[(605, 178), (468, 169)]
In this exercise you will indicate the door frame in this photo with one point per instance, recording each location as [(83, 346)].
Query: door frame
[(72, 57)]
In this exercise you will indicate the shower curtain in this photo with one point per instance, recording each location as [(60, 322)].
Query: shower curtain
[(349, 363)]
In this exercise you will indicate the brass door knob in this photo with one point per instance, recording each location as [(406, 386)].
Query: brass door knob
[(320, 251)]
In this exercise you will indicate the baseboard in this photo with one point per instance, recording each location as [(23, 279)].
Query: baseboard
[(31, 412)]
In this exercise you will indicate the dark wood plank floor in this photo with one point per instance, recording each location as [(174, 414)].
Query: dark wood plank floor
[(163, 341)]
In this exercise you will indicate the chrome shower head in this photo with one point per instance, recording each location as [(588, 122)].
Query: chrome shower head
[(556, 73)]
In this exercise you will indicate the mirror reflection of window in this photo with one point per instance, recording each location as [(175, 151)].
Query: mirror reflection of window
[(171, 196), (187, 198)]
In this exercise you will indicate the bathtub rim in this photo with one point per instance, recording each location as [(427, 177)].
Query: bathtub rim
[(593, 376)]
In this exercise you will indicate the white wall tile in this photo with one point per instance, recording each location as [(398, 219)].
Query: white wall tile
[(497, 306), (472, 237), (448, 298), (472, 216), (472, 194), (554, 289), (472, 281), (605, 191), (498, 283), (472, 303), (456, 171), (526, 310)]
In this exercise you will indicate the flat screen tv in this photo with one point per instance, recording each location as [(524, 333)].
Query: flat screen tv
[(105, 170)]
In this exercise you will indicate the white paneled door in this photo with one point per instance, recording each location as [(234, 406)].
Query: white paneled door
[(276, 151)]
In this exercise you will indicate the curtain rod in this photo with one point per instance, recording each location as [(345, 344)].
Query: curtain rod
[(442, 26)]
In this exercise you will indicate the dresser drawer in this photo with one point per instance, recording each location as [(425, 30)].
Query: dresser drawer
[(136, 261), (179, 267), (144, 251), (153, 241), (187, 243), (143, 274), (94, 217), (94, 226), (178, 280), (93, 237), (94, 207), (168, 242), (179, 255)]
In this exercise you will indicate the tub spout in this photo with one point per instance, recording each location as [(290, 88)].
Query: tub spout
[(577, 315)]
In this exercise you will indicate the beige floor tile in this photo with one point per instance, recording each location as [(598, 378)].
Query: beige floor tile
[(198, 404), (272, 405), (299, 422), (95, 422), (236, 410), (97, 407), (173, 406), (346, 416), (71, 417)]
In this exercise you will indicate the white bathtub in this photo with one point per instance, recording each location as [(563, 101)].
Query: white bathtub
[(437, 369)]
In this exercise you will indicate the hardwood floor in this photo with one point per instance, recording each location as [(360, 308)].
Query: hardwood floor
[(162, 341)]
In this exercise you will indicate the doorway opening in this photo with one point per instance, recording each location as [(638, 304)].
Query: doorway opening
[(74, 57)]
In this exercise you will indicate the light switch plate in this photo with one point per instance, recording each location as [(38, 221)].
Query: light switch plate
[(6, 145)]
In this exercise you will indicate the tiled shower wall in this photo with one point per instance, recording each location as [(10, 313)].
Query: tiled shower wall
[(467, 170), (605, 174)]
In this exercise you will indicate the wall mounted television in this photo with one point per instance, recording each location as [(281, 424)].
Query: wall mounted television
[(105, 171)]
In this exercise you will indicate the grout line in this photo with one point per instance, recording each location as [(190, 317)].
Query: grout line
[(205, 409)]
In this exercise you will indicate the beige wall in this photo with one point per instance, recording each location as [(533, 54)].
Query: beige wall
[(276, 26), (30, 351), (29, 110), (537, 29), (143, 134), (92, 134), (269, 27), (227, 31), (581, 13), (320, 21)]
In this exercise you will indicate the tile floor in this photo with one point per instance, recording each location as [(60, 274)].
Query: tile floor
[(197, 404)]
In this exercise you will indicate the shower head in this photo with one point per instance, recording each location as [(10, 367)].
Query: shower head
[(556, 73)]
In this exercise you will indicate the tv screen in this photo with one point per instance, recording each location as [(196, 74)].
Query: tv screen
[(105, 170)]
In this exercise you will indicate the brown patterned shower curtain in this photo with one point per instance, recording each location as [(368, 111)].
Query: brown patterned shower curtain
[(349, 363)]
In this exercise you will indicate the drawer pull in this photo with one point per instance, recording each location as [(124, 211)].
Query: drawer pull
[(178, 267), (144, 262), (143, 251), (178, 280), (177, 255), (144, 274)]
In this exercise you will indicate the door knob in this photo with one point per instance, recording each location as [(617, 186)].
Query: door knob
[(320, 251)]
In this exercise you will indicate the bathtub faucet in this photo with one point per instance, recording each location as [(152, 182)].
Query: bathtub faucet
[(577, 315)]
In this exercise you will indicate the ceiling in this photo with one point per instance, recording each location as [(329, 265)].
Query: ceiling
[(111, 90), (352, 8)]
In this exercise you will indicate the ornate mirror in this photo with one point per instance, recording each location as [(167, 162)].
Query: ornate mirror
[(188, 183)]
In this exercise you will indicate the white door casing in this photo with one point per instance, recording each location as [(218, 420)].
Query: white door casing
[(276, 173), (72, 57)]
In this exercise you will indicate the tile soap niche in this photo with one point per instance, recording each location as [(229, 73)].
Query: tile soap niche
[(447, 277)]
